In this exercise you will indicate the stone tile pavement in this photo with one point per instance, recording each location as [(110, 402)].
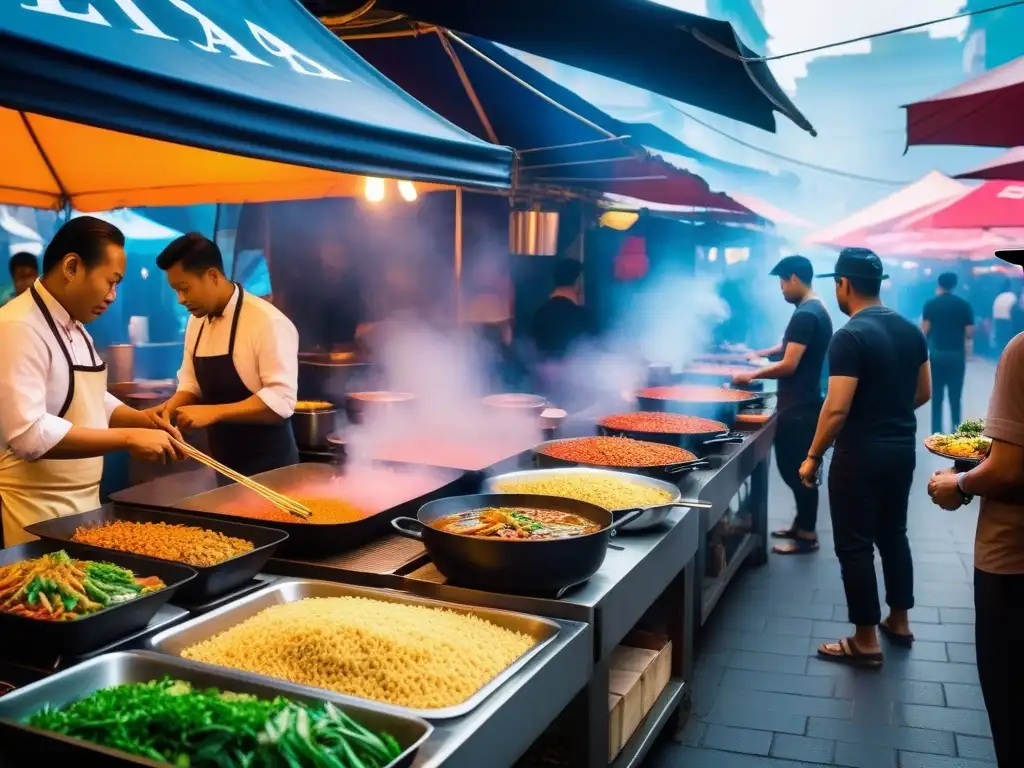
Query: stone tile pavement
[(761, 699)]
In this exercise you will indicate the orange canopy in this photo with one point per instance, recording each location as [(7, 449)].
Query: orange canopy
[(101, 170)]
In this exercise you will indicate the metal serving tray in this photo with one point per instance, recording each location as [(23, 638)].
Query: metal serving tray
[(175, 640), (66, 687), (312, 538), (212, 581)]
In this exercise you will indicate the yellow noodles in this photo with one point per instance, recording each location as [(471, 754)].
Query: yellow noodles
[(412, 656), (610, 493)]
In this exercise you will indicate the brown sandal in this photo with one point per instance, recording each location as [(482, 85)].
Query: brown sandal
[(846, 652), (796, 546)]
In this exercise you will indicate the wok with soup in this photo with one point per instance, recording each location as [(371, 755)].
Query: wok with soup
[(514, 542)]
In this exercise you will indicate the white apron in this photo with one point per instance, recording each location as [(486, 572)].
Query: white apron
[(33, 491)]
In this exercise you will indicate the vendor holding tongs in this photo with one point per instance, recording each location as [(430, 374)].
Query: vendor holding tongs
[(239, 374)]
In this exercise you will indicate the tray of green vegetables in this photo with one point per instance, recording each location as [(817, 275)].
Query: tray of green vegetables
[(140, 708)]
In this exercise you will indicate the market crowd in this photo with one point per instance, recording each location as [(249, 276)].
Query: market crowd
[(881, 369)]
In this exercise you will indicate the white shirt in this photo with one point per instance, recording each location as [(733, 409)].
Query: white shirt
[(266, 352), (1002, 308), (34, 375)]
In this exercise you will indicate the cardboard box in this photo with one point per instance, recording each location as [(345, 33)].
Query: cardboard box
[(655, 676), (627, 684), (615, 743)]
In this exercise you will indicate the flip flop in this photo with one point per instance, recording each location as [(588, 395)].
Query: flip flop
[(845, 652), (797, 546), (784, 533), (896, 638)]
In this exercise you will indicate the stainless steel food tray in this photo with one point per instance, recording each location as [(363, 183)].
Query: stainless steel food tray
[(177, 639), (65, 687)]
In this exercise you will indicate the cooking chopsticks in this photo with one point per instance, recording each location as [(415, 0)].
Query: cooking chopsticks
[(279, 500)]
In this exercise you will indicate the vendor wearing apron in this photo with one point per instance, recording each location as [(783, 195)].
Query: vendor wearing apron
[(57, 419), (239, 375)]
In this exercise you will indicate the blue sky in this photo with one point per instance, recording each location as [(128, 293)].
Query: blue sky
[(800, 24)]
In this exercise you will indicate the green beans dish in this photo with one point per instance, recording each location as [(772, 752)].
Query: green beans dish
[(171, 722)]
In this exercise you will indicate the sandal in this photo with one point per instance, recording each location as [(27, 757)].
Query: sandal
[(845, 652), (784, 533), (896, 638), (797, 546)]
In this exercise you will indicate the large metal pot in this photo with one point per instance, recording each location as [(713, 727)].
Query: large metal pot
[(651, 517), (501, 565), (312, 428), (361, 407), (512, 401)]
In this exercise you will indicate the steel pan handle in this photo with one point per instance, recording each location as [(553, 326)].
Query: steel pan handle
[(400, 523), (691, 503), (677, 469), (729, 437), (627, 517)]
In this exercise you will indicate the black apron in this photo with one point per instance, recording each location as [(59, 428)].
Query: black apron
[(246, 448)]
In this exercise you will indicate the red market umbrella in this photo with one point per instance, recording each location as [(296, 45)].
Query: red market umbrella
[(987, 111), (995, 204), (941, 244), (1009, 166)]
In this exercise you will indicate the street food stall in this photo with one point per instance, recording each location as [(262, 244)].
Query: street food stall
[(419, 603)]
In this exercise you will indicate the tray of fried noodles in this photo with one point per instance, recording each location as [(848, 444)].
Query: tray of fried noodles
[(967, 444)]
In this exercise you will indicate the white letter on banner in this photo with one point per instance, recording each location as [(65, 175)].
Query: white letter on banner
[(215, 36), (143, 24), (90, 14), (278, 47)]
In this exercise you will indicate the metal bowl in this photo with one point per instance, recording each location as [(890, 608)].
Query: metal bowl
[(361, 406)]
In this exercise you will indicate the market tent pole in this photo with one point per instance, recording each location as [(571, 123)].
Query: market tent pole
[(458, 256)]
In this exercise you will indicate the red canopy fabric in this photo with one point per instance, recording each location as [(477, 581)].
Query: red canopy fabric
[(994, 204), (941, 243), (654, 180), (987, 111), (878, 217), (772, 213), (1009, 166)]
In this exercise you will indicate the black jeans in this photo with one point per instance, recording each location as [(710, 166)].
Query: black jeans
[(998, 601), (792, 442), (868, 492), (947, 376)]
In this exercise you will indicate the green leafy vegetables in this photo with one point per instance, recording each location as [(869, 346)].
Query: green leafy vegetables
[(971, 428), (171, 722)]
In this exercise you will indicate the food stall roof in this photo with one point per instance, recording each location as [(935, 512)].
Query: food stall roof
[(928, 190), (690, 58), (563, 140), (1008, 166), (995, 204), (108, 105)]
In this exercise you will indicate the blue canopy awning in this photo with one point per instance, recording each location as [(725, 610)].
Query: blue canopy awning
[(257, 79), (689, 58)]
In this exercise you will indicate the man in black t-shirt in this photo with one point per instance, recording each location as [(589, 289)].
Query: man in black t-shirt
[(878, 377), (803, 350), (948, 323)]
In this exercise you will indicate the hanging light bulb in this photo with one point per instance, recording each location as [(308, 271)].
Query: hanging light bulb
[(408, 191), (374, 190), (619, 220)]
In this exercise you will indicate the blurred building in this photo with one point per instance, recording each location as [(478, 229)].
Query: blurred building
[(993, 38)]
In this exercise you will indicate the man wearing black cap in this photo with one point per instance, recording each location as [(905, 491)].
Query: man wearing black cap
[(878, 377), (998, 546), (803, 349)]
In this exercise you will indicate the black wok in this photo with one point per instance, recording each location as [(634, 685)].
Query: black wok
[(503, 565), (697, 443), (546, 461), (724, 410)]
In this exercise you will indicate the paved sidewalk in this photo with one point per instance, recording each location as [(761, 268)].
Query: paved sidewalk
[(761, 699)]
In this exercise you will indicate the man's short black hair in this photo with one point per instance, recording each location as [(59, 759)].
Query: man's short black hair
[(947, 281), (868, 287), (86, 236), (23, 260), (567, 272), (195, 252), (794, 265)]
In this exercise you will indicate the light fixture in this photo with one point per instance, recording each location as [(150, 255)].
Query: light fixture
[(712, 254), (144, 272), (619, 220), (408, 191), (374, 190)]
